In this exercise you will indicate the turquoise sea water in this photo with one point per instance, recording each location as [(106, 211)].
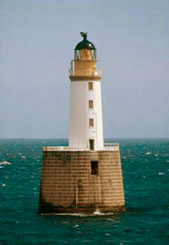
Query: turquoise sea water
[(146, 180)]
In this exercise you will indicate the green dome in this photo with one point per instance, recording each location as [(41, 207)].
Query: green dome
[(85, 44)]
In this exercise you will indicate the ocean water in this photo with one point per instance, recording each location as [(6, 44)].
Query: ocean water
[(146, 180)]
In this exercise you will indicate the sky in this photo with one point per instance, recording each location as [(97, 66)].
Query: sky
[(37, 42)]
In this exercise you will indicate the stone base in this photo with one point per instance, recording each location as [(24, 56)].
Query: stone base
[(81, 181)]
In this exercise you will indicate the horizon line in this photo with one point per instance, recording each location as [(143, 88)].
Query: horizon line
[(1, 138)]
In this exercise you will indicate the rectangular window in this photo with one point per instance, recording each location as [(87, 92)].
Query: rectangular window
[(90, 84), (90, 104), (94, 168), (91, 122), (91, 144)]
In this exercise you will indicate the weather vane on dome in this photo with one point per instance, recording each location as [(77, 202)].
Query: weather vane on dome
[(84, 35)]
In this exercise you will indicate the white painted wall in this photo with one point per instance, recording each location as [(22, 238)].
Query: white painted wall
[(80, 132)]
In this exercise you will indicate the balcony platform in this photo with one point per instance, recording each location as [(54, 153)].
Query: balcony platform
[(107, 147), (85, 78)]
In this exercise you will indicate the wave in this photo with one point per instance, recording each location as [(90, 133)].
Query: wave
[(5, 163), (96, 213)]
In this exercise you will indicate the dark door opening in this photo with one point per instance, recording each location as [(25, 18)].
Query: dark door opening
[(94, 168)]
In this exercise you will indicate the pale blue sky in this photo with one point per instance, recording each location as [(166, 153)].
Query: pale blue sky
[(36, 46)]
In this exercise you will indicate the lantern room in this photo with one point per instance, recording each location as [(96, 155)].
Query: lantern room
[(83, 67), (85, 50)]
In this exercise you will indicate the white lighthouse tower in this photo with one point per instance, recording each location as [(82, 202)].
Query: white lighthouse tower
[(86, 125)]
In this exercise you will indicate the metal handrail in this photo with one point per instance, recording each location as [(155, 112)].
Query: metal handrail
[(94, 73), (67, 148), (111, 144)]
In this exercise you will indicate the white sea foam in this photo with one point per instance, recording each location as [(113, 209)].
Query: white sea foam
[(161, 173), (5, 163), (79, 214), (148, 153), (110, 219), (67, 214), (97, 212)]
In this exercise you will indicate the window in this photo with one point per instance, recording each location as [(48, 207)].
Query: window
[(90, 85), (94, 168), (91, 122), (91, 144), (90, 104)]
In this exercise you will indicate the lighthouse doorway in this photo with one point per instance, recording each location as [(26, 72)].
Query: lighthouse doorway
[(91, 144)]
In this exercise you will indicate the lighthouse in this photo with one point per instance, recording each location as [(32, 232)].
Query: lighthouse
[(86, 175), (86, 125)]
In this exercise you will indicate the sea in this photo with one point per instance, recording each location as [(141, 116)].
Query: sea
[(145, 164)]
